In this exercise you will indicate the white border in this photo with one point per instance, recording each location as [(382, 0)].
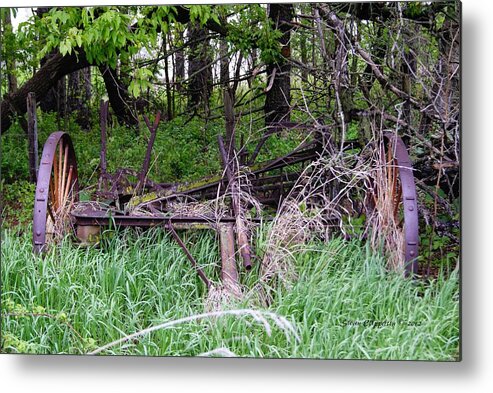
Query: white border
[(83, 374)]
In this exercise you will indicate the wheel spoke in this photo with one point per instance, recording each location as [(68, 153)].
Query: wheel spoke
[(398, 201), (50, 229), (401, 211), (68, 186), (389, 169), (60, 175), (50, 212), (56, 191), (51, 194), (64, 177), (394, 184)]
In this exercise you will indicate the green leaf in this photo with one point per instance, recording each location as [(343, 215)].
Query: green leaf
[(63, 48), (78, 38), (215, 18)]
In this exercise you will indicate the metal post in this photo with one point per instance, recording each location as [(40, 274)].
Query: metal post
[(229, 272), (32, 137)]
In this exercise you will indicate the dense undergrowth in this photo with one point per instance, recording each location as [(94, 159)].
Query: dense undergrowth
[(184, 149), (344, 303)]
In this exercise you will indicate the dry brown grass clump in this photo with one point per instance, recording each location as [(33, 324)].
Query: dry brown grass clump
[(331, 194), (221, 298), (387, 228), (315, 207)]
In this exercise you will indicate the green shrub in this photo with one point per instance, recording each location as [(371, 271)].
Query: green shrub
[(17, 202), (15, 164)]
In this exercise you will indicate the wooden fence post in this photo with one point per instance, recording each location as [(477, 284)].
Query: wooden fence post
[(32, 136)]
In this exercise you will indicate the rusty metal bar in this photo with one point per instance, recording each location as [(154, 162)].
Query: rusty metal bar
[(305, 151), (274, 128), (269, 180), (94, 216), (103, 122), (179, 189), (147, 159), (189, 256), (259, 146), (229, 272)]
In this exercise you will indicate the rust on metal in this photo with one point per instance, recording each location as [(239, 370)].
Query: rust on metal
[(192, 260), (103, 114), (48, 185), (133, 200), (229, 272), (409, 201), (147, 159), (103, 217), (88, 235)]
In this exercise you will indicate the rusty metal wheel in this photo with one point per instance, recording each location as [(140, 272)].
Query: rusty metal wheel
[(401, 192), (57, 190)]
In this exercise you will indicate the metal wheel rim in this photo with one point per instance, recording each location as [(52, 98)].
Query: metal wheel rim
[(408, 201), (62, 173)]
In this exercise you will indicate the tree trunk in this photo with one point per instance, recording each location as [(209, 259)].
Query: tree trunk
[(118, 96), (58, 66), (42, 81), (278, 97), (61, 98), (73, 90), (50, 101), (169, 98), (228, 98), (176, 44), (9, 63), (32, 137), (85, 113), (199, 68), (179, 74), (78, 96)]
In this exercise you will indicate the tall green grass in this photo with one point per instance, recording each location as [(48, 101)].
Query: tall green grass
[(344, 304)]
